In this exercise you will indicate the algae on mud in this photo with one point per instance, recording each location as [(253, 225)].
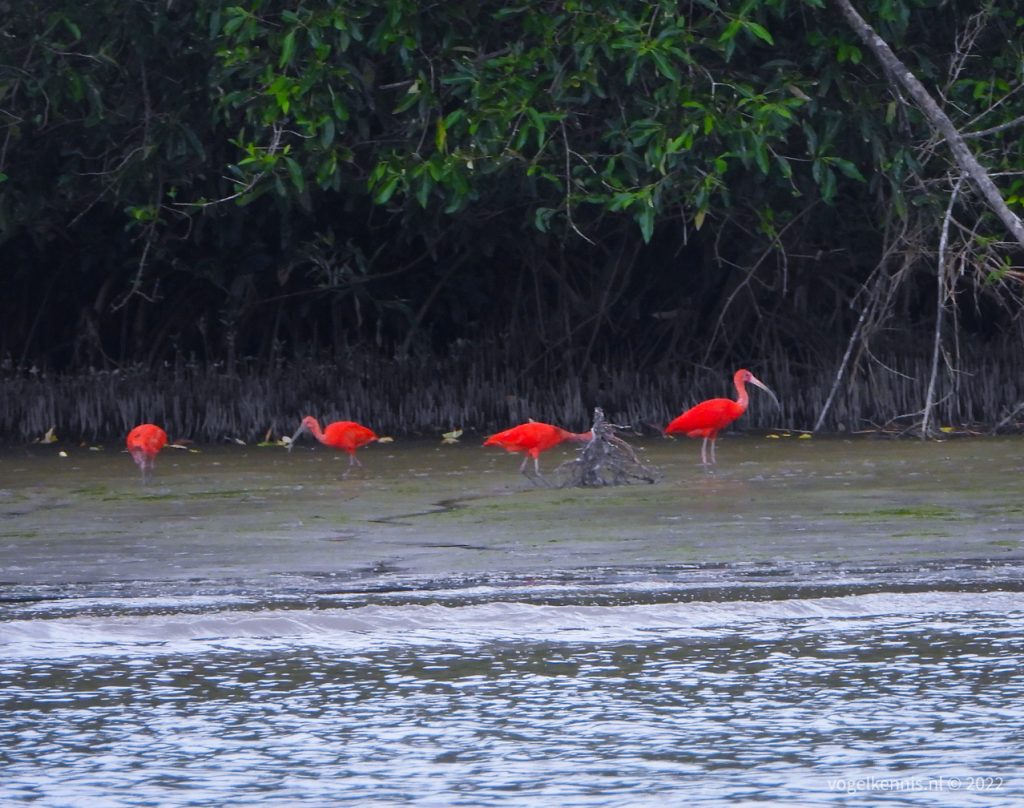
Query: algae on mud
[(248, 517)]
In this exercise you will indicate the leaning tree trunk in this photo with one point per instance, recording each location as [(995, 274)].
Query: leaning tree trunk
[(964, 157)]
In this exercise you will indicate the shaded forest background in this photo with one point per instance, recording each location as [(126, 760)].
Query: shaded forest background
[(465, 214)]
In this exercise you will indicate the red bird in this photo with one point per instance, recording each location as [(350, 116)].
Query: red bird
[(709, 417), (144, 444), (345, 435), (534, 438)]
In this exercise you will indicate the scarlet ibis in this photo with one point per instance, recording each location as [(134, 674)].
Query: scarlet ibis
[(709, 417), (533, 438), (144, 443), (345, 435)]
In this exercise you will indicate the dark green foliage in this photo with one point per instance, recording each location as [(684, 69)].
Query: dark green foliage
[(559, 187)]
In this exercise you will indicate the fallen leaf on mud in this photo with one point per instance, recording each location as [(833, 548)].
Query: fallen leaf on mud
[(451, 437)]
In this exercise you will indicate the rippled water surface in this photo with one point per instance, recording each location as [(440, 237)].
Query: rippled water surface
[(442, 652), (455, 702)]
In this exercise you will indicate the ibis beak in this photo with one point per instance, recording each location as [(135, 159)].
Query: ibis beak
[(299, 431), (758, 383)]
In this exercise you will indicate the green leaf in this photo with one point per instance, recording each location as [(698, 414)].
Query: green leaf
[(287, 48), (423, 189), (453, 118), (664, 66), (76, 32), (682, 142), (761, 156), (759, 31), (234, 22), (440, 136), (730, 31), (621, 201), (645, 218), (214, 25), (784, 166), (326, 172), (295, 171), (327, 132), (538, 123), (828, 184), (847, 168), (542, 218), (386, 191)]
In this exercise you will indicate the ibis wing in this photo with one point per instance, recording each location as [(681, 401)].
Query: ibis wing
[(707, 418)]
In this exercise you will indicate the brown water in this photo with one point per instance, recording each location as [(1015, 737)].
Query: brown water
[(815, 621)]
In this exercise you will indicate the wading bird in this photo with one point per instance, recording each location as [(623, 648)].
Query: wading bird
[(345, 435), (533, 438), (144, 443), (709, 417)]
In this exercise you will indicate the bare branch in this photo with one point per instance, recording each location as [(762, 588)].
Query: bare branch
[(271, 149), (993, 129), (940, 307), (568, 189)]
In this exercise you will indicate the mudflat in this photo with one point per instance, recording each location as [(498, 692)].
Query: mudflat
[(260, 518)]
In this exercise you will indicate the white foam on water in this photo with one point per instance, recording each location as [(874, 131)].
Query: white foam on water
[(366, 628)]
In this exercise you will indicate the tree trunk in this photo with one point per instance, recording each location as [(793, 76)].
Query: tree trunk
[(968, 163)]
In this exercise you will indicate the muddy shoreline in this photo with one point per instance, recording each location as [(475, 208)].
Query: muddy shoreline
[(252, 519)]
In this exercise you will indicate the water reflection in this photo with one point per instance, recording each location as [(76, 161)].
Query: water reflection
[(469, 701)]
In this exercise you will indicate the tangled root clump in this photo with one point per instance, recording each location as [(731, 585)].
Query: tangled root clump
[(606, 459)]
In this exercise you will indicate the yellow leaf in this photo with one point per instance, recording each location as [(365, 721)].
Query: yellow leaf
[(946, 429), (451, 437), (805, 436), (773, 437), (49, 437)]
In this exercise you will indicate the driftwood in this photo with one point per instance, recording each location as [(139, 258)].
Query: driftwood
[(606, 459)]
